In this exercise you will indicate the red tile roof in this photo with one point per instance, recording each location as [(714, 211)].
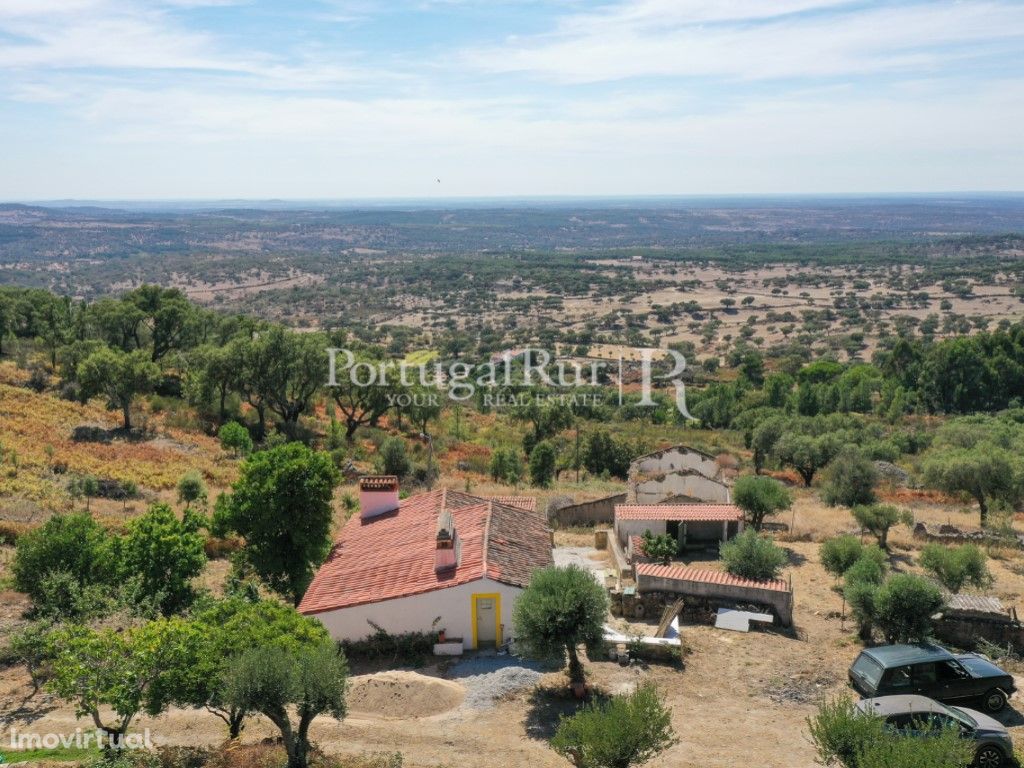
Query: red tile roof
[(705, 576), (528, 503), (394, 554), (681, 512)]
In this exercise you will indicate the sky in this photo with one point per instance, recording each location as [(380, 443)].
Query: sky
[(343, 99)]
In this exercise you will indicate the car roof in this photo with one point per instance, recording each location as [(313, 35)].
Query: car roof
[(897, 705), (897, 655)]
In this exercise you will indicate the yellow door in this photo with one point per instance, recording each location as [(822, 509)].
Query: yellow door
[(486, 620)]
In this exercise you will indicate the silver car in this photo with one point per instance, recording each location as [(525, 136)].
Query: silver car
[(910, 715)]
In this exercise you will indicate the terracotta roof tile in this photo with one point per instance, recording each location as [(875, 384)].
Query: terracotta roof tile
[(394, 554), (681, 512), (528, 503), (706, 576)]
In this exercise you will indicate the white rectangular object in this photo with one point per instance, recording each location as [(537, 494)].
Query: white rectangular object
[(739, 621)]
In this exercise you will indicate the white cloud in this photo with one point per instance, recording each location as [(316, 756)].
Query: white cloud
[(649, 38)]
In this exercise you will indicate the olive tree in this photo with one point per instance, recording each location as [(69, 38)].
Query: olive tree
[(626, 730), (275, 682), (986, 473), (231, 627), (752, 556), (877, 519), (760, 497), (561, 609), (957, 567), (849, 479)]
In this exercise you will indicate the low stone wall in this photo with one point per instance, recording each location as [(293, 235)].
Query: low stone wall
[(950, 534), (965, 632), (595, 512)]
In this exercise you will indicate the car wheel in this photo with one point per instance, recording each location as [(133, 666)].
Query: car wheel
[(989, 757), (994, 700)]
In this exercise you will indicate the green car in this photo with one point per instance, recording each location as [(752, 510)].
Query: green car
[(932, 671)]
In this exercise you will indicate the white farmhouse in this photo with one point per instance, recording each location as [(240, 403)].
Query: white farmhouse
[(440, 560)]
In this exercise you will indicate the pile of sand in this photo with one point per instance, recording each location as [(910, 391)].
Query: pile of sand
[(403, 695)]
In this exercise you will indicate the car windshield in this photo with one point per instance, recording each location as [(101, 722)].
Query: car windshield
[(962, 716), (868, 670)]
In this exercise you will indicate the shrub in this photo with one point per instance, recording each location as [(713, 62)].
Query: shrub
[(506, 466), (73, 544), (877, 519), (661, 547), (393, 458), (235, 438), (844, 736), (839, 731), (904, 606), (760, 497), (163, 556), (849, 479), (957, 567), (542, 464), (624, 731), (752, 556), (191, 489), (839, 553)]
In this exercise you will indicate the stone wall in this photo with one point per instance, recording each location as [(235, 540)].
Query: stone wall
[(598, 511)]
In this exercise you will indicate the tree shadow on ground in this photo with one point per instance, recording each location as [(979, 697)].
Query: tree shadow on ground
[(795, 558), (548, 704)]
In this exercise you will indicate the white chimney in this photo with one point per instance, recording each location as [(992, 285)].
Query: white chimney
[(378, 495)]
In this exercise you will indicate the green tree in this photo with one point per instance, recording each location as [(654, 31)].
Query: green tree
[(561, 609), (359, 401), (72, 544), (839, 553), (626, 730), (235, 438), (760, 497), (281, 504), (160, 556), (119, 376), (764, 437), (191, 489), (229, 629), (213, 375), (957, 567), (296, 369), (169, 316), (805, 453), (877, 519), (542, 464), (752, 556), (904, 606), (393, 458), (661, 547), (849, 479), (605, 454), (111, 676), (987, 473), (506, 466), (275, 681)]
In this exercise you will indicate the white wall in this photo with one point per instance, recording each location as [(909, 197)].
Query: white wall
[(627, 528), (416, 613), (694, 486)]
